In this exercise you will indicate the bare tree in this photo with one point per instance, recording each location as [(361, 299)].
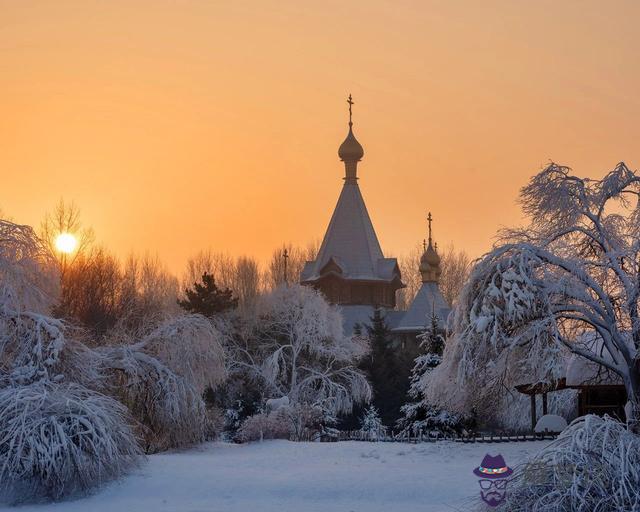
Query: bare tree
[(65, 219), (91, 292), (296, 259), (455, 266), (219, 265)]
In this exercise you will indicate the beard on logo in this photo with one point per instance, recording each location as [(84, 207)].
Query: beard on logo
[(493, 498)]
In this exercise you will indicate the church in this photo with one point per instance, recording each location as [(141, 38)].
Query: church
[(352, 271)]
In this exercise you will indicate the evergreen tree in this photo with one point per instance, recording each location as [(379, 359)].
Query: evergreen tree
[(384, 366), (207, 299), (418, 415), (371, 424)]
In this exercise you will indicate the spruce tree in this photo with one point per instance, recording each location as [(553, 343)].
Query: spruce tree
[(371, 424), (418, 415), (207, 299), (388, 376)]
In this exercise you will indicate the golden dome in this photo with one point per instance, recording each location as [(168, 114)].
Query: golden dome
[(350, 150), (430, 256)]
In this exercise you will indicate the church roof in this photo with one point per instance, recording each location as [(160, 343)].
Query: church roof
[(357, 314), (350, 247), (428, 301)]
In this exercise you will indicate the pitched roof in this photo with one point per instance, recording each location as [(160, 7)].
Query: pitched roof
[(427, 301), (350, 244), (356, 314)]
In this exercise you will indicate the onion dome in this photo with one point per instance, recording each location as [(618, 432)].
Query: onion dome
[(350, 150), (430, 260)]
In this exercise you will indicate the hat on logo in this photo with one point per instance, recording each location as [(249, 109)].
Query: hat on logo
[(493, 467)]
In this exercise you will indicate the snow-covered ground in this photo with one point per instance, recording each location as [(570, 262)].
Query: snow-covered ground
[(303, 477)]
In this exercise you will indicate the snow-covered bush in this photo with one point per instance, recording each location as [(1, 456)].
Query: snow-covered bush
[(214, 423), (168, 409), (371, 424), (163, 377), (594, 465), (61, 439), (273, 425), (189, 345)]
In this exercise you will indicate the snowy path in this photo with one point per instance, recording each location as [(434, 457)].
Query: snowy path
[(302, 477)]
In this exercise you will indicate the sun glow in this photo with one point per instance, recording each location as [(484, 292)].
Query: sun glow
[(66, 243)]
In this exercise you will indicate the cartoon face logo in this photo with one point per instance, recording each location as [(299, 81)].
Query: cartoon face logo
[(493, 473)]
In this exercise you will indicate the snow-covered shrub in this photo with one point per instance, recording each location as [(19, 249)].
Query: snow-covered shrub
[(168, 408), (190, 346), (594, 465), (274, 425), (163, 377), (371, 424), (214, 423), (61, 439)]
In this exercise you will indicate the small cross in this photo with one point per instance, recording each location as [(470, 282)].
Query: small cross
[(424, 244), (429, 218), (350, 102)]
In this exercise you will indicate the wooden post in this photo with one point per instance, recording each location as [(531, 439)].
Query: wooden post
[(544, 404), (533, 412)]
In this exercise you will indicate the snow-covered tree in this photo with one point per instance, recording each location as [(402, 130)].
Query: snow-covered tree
[(371, 424), (56, 435), (162, 379), (297, 349), (569, 282)]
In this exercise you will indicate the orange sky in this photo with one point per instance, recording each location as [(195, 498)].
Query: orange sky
[(179, 125)]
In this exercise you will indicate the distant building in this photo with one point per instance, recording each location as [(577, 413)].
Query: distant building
[(351, 270)]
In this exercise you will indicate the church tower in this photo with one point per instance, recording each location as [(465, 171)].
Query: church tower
[(350, 268), (429, 300)]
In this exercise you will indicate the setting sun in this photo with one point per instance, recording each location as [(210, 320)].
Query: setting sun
[(66, 243)]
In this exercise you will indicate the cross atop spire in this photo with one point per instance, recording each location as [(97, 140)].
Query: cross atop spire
[(429, 219), (350, 102)]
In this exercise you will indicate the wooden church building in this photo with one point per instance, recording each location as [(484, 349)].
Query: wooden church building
[(352, 271)]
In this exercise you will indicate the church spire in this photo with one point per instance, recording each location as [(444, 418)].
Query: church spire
[(430, 260), (350, 151)]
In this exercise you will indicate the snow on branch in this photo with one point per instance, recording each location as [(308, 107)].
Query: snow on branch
[(28, 278)]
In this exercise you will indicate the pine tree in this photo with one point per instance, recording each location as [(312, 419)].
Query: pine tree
[(371, 424), (207, 299), (418, 415), (388, 376)]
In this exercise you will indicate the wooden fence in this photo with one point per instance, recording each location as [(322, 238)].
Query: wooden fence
[(491, 437)]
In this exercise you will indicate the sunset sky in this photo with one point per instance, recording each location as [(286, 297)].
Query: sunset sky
[(181, 125)]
